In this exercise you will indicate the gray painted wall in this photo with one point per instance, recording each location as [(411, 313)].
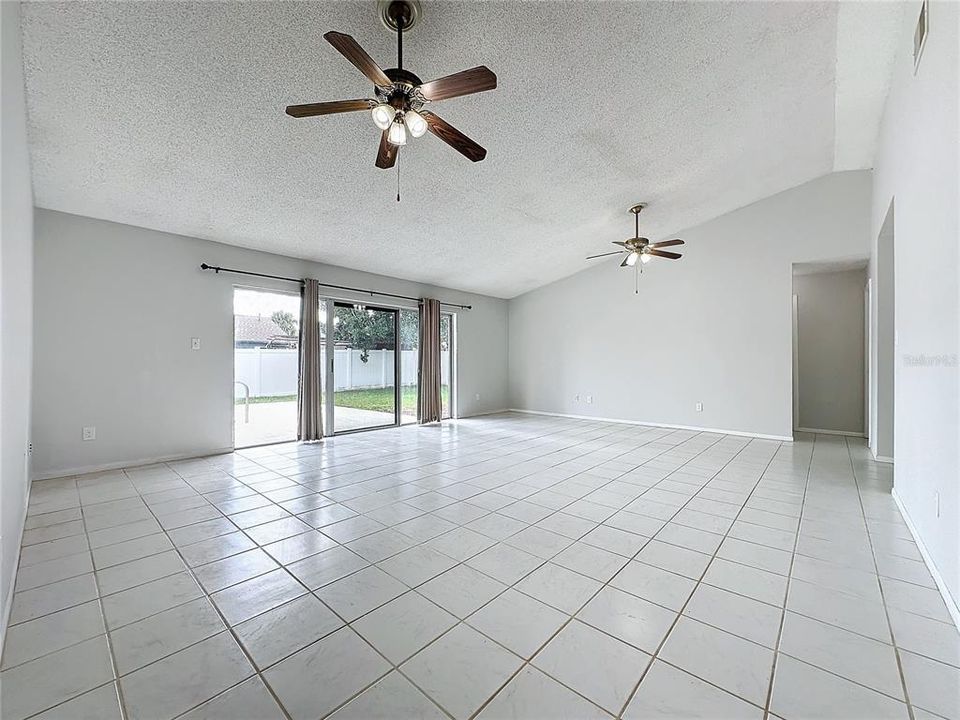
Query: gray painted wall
[(881, 440), (115, 308), (16, 258), (831, 350), (918, 168), (714, 327)]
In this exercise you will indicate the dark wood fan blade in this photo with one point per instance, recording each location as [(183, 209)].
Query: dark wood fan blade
[(453, 137), (625, 263), (665, 254), (615, 252), (618, 242), (465, 82), (666, 243), (327, 108), (352, 51), (387, 154)]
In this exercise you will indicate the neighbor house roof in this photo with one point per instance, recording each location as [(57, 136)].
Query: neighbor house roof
[(255, 328)]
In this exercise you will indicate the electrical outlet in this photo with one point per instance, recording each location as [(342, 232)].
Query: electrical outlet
[(576, 398), (194, 343), (589, 399), (699, 407), (90, 432), (477, 396)]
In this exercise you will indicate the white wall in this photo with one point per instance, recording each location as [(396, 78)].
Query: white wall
[(16, 326), (830, 350), (713, 327), (115, 308), (917, 168)]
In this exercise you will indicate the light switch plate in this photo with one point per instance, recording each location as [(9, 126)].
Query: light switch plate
[(194, 343), (90, 432)]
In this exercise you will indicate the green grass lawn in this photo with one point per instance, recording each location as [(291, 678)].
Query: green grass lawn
[(377, 399)]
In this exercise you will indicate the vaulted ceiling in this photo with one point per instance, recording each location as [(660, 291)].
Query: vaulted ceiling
[(170, 116)]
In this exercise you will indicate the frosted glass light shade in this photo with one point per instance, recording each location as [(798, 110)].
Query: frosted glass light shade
[(382, 116), (397, 135), (415, 123)]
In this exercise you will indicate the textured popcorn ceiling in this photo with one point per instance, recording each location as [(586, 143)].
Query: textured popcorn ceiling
[(170, 116)]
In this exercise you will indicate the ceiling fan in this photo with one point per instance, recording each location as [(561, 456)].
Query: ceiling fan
[(640, 248), (400, 96)]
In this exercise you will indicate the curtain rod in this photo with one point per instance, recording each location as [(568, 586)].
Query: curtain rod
[(218, 270)]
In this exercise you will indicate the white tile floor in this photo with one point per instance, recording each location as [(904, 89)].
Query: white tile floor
[(505, 567)]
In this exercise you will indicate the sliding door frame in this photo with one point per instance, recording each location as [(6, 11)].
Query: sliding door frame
[(270, 289), (330, 395)]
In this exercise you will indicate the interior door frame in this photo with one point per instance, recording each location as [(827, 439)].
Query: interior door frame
[(330, 395)]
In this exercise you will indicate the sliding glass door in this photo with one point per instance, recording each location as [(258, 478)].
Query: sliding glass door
[(265, 366), (409, 364), (370, 356), (364, 367), (446, 365)]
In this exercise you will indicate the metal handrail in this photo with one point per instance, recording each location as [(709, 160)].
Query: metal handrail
[(246, 401)]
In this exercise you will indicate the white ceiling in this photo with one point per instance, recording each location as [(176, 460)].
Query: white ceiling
[(170, 116)]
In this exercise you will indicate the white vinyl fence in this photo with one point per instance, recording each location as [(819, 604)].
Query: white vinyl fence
[(274, 372)]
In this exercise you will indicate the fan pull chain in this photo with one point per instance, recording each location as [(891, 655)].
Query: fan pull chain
[(398, 177), (636, 279)]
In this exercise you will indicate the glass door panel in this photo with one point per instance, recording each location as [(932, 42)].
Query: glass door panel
[(446, 366), (266, 337), (364, 367), (409, 364)]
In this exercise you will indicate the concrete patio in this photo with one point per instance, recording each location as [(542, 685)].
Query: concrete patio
[(277, 422)]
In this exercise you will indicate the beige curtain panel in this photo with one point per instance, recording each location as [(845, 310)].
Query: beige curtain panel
[(309, 405), (428, 399)]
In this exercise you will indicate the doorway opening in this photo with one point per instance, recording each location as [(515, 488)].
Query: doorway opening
[(830, 364), (266, 341), (364, 370)]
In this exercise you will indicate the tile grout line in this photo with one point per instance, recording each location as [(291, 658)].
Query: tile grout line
[(526, 662), (883, 599), (655, 655), (786, 592), (226, 625)]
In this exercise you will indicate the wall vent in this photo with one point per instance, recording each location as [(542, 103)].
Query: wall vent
[(920, 33)]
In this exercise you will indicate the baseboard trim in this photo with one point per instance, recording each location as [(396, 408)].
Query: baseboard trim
[(821, 431), (881, 458), (481, 414), (8, 600), (719, 431), (951, 604), (66, 472)]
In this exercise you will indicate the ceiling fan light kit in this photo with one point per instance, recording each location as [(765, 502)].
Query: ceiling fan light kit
[(397, 107), (639, 250)]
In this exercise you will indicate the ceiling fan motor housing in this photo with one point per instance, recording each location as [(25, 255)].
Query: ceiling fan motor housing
[(404, 93)]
